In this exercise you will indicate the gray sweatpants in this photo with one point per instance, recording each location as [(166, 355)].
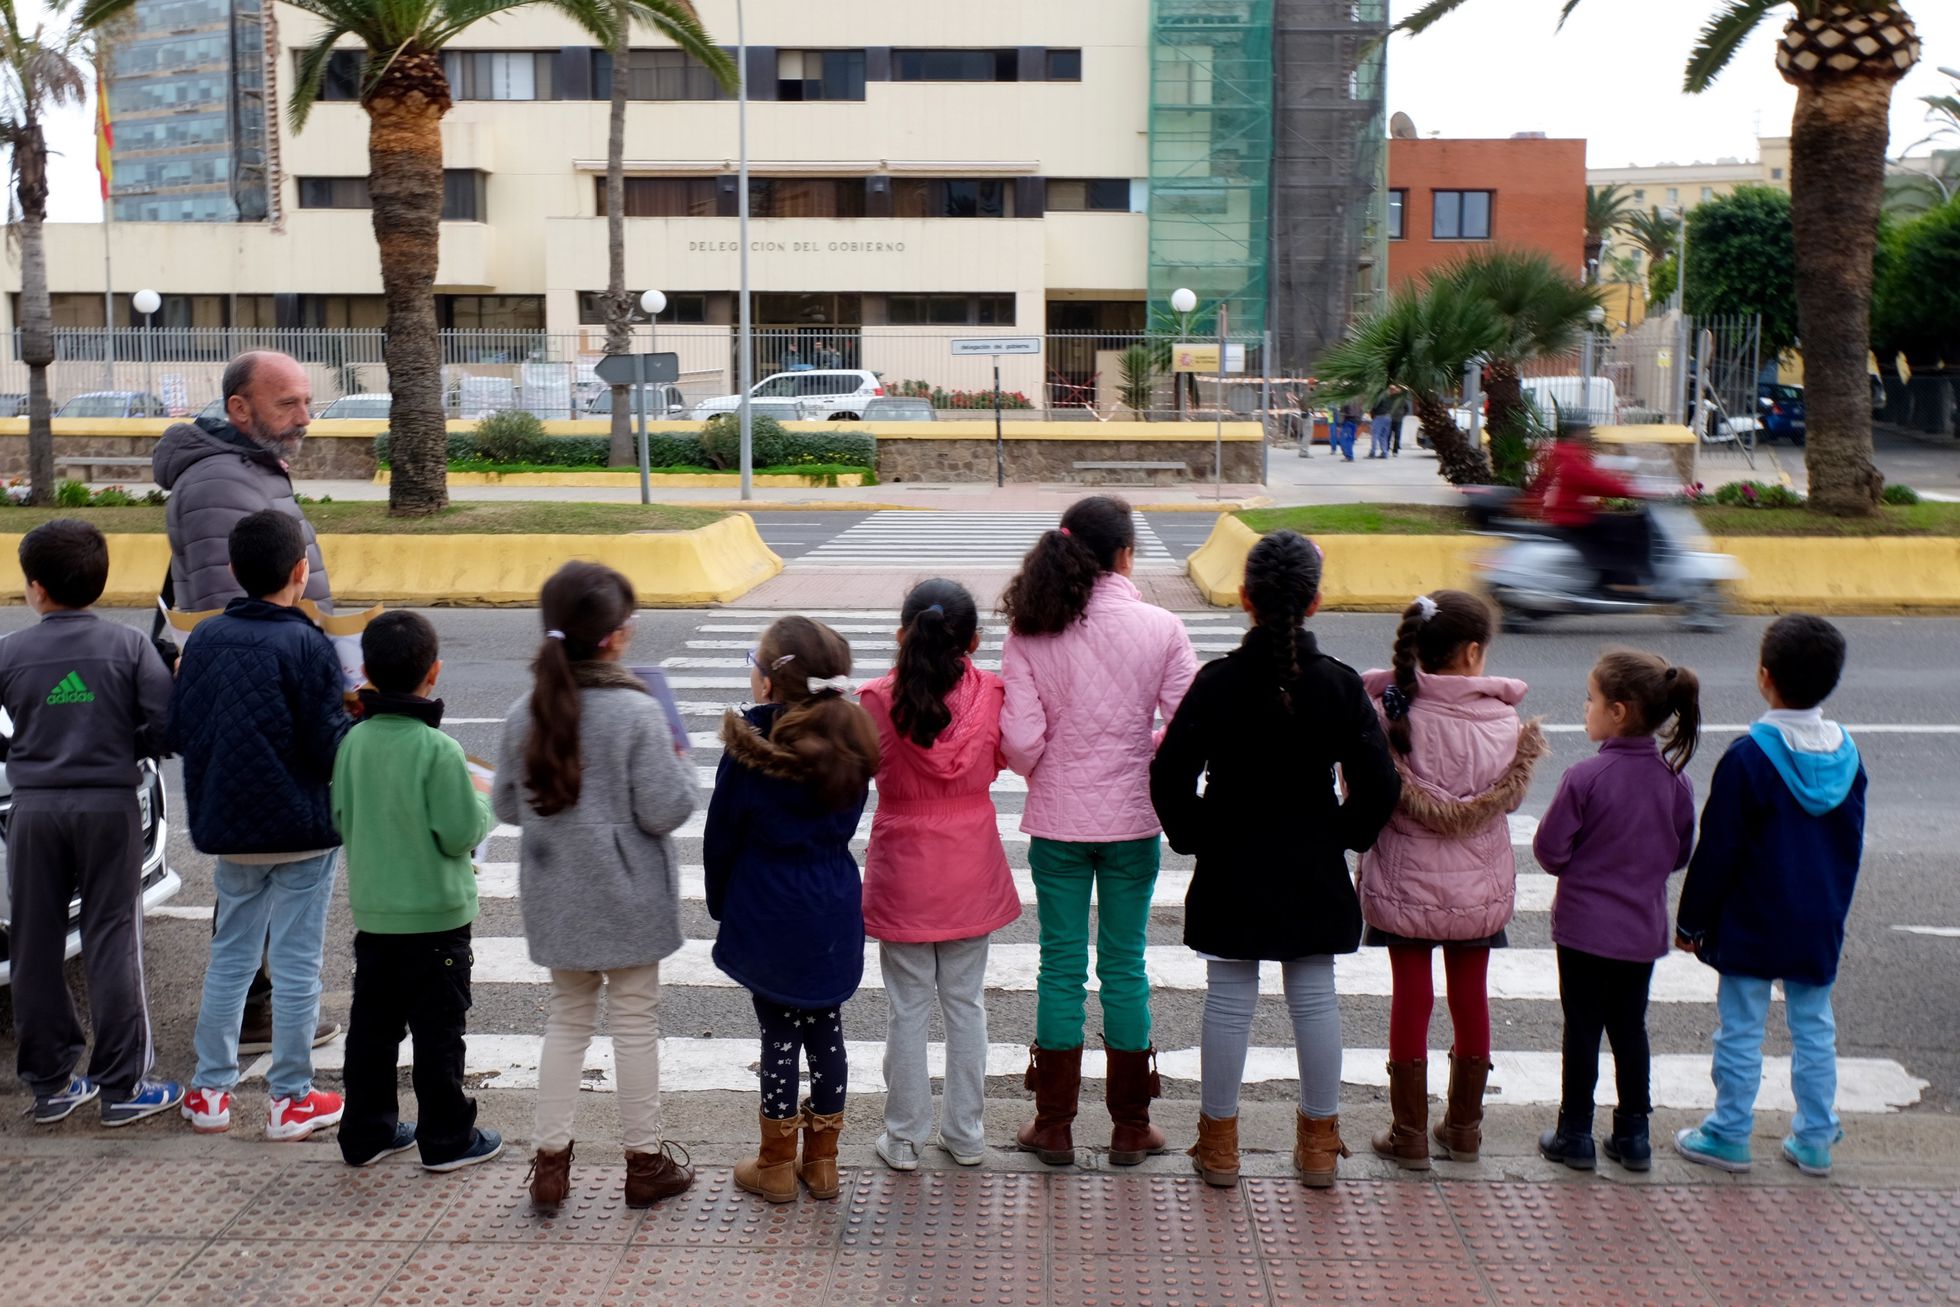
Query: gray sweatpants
[(1231, 994), (955, 973), (58, 842)]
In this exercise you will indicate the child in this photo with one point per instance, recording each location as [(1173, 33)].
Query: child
[(258, 718), (1768, 893), (795, 771), (1443, 872), (936, 881), (404, 802), (88, 699), (1267, 725), (1623, 821), (589, 769)]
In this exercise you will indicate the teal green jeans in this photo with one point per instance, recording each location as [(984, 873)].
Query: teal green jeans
[(1123, 876)]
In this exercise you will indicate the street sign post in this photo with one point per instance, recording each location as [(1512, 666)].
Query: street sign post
[(639, 371), (967, 347)]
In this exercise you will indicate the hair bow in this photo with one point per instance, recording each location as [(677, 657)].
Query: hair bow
[(1395, 703), (1426, 606), (840, 684)]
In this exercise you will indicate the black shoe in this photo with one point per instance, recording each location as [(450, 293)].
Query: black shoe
[(255, 1034), (1569, 1143), (485, 1145), (1628, 1144), (403, 1141)]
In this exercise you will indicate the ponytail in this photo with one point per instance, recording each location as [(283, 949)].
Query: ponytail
[(821, 739), (939, 621), (582, 605), (1282, 580), (1434, 631), (1656, 694), (1684, 733), (1050, 592)]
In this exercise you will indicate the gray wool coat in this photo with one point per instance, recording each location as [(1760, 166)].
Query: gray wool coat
[(215, 477), (599, 883)]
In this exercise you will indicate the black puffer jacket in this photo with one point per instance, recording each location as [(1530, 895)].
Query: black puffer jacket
[(216, 475)]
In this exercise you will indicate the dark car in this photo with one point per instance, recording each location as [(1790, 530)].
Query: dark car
[(1781, 408)]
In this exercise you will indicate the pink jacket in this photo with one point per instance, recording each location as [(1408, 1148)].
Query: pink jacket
[(1443, 868), (935, 869), (1080, 721)]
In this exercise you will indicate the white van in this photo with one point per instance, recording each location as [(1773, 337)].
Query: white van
[(1566, 399)]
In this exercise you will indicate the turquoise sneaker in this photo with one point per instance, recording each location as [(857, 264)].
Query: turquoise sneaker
[(1711, 1150), (1811, 1159)]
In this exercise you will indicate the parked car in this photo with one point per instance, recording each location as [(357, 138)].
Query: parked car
[(370, 406), (114, 404), (1781, 409), (13, 406), (893, 409), (1879, 398), (837, 394), (215, 410), (663, 403)]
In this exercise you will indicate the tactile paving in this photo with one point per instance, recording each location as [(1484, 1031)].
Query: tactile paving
[(98, 1272), (1760, 1283), (121, 1199), (1565, 1223), (1215, 1280), (502, 1275), (1149, 1216), (492, 1205), (1794, 1225), (707, 1277), (1922, 1226), (1403, 1282), (385, 1202), (715, 1214), (940, 1209), (28, 1187), (255, 1273), (1621, 1286), (1358, 1219), (976, 1277)]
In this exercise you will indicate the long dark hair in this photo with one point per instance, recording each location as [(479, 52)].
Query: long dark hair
[(826, 740), (582, 604), (1052, 588), (1282, 579), (938, 623), (1655, 694), (1434, 629)]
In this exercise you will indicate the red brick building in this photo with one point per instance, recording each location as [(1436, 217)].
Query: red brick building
[(1450, 198)]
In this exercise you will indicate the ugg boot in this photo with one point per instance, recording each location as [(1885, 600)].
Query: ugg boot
[(1317, 1149), (1570, 1141), (818, 1170), (1055, 1076), (772, 1171), (550, 1179), (1406, 1141), (1628, 1144), (1216, 1154), (1461, 1131), (1130, 1083), (653, 1176)]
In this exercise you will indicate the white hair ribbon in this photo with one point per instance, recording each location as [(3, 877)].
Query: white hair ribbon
[(842, 684), (1427, 606)]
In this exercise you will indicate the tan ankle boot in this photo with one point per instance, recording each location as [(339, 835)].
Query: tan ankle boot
[(1461, 1131), (1317, 1149), (819, 1167), (550, 1180), (1216, 1154), (1406, 1141), (771, 1173)]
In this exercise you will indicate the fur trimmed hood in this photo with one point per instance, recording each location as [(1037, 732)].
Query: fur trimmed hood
[(1456, 818), (745, 735)]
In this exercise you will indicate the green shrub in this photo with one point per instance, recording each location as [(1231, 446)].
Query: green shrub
[(1900, 495), (672, 451), (504, 437), (721, 441), (72, 494), (1757, 494), (112, 497)]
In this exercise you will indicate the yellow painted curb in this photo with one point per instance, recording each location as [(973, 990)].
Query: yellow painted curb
[(1362, 573), (659, 480)]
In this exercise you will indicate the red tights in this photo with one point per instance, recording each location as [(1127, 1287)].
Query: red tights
[(1415, 995)]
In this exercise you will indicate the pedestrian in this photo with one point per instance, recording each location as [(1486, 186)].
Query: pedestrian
[(88, 700), (258, 718), (1350, 426), (589, 770), (1382, 420), (409, 814), (1768, 892), (936, 880), (795, 772), (1089, 666), (1443, 872), (1623, 821), (1266, 727)]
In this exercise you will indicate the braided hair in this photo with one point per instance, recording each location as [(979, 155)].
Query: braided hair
[(1435, 628), (1282, 580)]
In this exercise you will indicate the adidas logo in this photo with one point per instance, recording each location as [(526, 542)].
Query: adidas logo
[(71, 690)]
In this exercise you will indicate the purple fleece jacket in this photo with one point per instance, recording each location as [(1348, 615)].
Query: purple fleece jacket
[(1621, 824)]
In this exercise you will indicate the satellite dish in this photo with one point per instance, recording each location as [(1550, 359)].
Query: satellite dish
[(1402, 127)]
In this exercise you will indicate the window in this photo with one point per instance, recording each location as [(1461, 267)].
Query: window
[(168, 92), (1776, 174), (500, 74), (490, 312), (154, 174), (951, 197), (656, 75), (680, 309), (664, 197), (342, 78), (333, 193), (820, 74), (806, 197), (463, 195), (1674, 195), (185, 208), (175, 55), (1461, 216), (167, 133), (1398, 202), (1064, 65), (1639, 195), (1707, 194), (949, 310), (1089, 195), (175, 15), (960, 65)]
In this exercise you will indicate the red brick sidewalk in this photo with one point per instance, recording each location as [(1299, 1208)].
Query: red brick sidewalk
[(114, 1231)]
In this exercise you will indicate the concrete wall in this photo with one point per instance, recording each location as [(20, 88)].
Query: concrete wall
[(1539, 201)]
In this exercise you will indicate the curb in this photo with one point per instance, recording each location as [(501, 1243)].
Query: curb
[(658, 480)]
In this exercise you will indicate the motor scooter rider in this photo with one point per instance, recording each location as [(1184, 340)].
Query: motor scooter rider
[(1566, 494)]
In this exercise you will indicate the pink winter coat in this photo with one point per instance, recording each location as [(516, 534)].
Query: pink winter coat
[(935, 869), (1443, 868), (1080, 721)]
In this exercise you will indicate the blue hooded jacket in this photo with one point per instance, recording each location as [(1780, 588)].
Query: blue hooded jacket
[(1781, 839)]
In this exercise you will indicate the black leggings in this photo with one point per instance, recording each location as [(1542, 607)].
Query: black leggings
[(819, 1033), (1610, 995)]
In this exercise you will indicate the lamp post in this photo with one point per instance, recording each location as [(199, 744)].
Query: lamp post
[(651, 303), (745, 363), (1677, 305), (1183, 301), (147, 302), (1589, 357)]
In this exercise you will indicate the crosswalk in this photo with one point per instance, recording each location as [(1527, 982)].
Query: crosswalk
[(709, 678), (906, 539)]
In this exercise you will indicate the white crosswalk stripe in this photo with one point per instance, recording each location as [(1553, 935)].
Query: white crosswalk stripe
[(923, 540)]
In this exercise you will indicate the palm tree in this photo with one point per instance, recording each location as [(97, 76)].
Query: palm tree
[(1656, 236), (1539, 312), (1844, 59), (678, 22), (1911, 191), (1607, 209), (39, 71), (1421, 341)]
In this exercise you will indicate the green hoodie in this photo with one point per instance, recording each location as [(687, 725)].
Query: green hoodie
[(409, 816)]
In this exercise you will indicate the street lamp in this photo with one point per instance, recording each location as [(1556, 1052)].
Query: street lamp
[(1676, 305), (1594, 317), (1183, 300), (652, 303), (745, 363), (147, 302)]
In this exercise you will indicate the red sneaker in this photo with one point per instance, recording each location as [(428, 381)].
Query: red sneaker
[(289, 1119), (208, 1111)]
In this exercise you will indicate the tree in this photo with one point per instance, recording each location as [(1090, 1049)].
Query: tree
[(1844, 59), (1538, 310), (1656, 236), (39, 71), (1661, 278), (678, 22), (1607, 208), (1742, 261), (1911, 190), (1421, 341), (1916, 312)]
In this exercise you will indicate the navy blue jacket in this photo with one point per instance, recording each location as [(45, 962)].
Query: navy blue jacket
[(1770, 885), (258, 717), (780, 876)]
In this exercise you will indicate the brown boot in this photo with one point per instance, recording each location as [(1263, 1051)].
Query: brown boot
[(1317, 1149), (1216, 1154), (1055, 1076), (772, 1171), (1406, 1142), (819, 1168), (1461, 1131), (1129, 1085), (653, 1176), (550, 1179)]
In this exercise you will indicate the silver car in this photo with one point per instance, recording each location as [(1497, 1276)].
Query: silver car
[(370, 406)]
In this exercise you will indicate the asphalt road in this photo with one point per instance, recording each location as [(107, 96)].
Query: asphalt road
[(792, 533)]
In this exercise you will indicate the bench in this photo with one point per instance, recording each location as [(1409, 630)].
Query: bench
[(90, 462), (1142, 471), (1129, 467)]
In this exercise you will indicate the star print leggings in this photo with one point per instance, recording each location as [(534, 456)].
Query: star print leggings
[(819, 1034)]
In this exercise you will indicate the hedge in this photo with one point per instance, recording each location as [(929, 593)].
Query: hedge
[(777, 448)]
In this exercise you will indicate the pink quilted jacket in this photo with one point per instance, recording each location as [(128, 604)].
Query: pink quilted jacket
[(1080, 716), (1443, 868)]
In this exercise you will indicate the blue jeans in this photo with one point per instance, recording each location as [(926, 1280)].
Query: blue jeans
[(1378, 438), (1343, 439), (1742, 1007), (279, 910)]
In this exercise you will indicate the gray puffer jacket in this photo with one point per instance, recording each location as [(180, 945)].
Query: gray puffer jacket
[(216, 475)]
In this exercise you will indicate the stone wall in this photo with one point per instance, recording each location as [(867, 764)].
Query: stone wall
[(900, 459), (321, 458)]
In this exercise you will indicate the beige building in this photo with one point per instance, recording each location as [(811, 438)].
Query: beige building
[(1681, 186)]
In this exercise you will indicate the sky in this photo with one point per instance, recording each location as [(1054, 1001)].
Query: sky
[(1611, 77)]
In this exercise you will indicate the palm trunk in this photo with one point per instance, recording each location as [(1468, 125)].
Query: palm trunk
[(36, 314), (1460, 463), (405, 182), (619, 309), (1504, 388)]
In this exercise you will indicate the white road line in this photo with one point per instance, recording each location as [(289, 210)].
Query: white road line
[(891, 646), (1940, 932), (862, 671), (181, 912), (1872, 728)]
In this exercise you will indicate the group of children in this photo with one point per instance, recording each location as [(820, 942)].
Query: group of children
[(1276, 762)]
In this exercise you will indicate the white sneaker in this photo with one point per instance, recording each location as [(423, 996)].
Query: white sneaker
[(290, 1119), (208, 1111), (964, 1159), (899, 1155)]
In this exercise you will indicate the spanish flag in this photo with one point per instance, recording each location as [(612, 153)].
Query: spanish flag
[(105, 137)]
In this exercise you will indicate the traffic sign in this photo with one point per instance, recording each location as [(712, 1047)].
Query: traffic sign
[(637, 369), (997, 345)]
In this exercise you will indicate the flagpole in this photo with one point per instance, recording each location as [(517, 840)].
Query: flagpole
[(108, 308), (105, 167)]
